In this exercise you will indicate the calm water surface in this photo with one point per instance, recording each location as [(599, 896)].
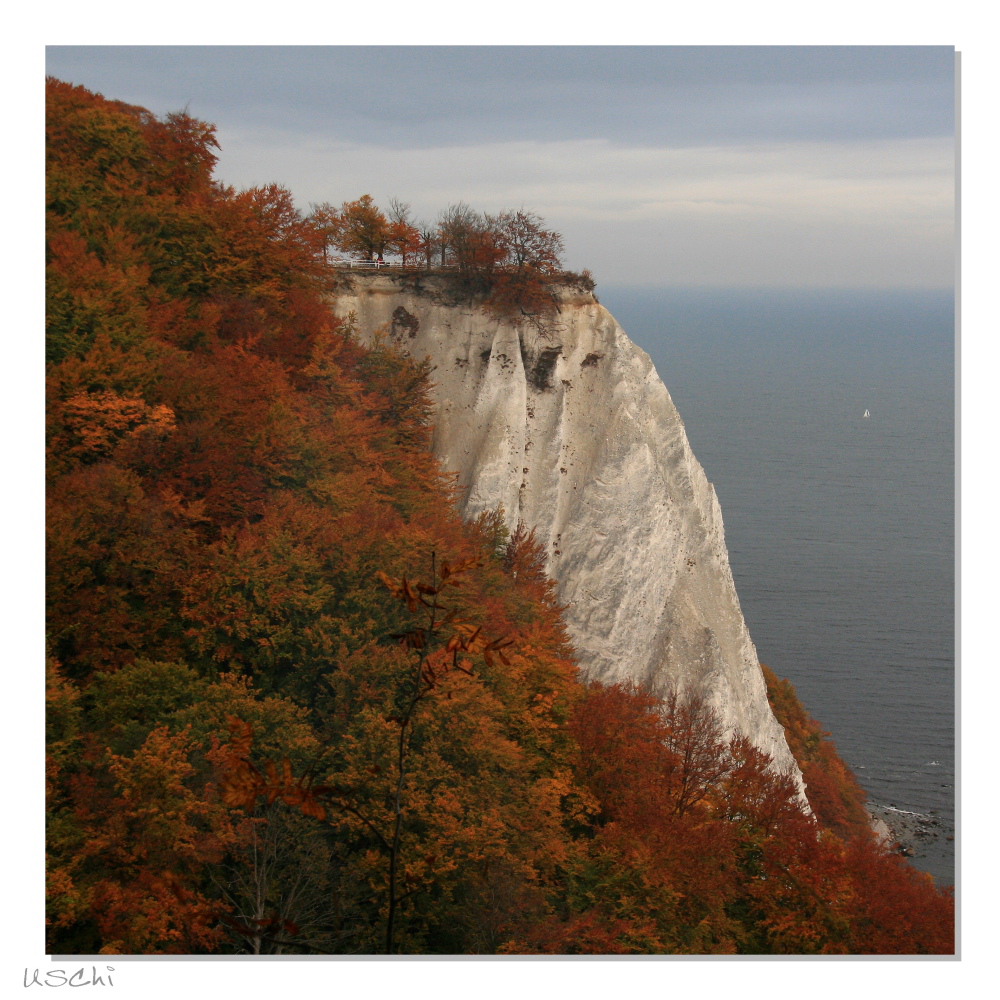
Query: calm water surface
[(840, 527)]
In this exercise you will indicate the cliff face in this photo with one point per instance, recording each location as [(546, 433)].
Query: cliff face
[(570, 428)]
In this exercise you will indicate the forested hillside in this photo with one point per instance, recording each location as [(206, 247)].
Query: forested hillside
[(294, 704)]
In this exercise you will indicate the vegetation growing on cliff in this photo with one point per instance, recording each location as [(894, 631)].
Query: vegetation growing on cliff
[(294, 704), (833, 791), (508, 261)]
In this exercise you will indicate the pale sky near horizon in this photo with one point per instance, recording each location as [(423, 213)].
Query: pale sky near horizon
[(742, 166)]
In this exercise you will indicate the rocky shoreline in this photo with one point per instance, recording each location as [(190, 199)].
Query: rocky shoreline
[(909, 832)]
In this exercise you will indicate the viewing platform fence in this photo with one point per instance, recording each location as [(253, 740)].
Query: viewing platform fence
[(375, 265)]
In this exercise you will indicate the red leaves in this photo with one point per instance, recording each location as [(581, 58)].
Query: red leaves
[(244, 783), (836, 798), (464, 638), (712, 821), (415, 594), (410, 596), (497, 646)]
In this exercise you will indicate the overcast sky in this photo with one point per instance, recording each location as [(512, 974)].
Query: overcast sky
[(747, 166)]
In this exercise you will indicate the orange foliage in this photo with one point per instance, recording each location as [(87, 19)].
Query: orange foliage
[(242, 519), (154, 834), (834, 794)]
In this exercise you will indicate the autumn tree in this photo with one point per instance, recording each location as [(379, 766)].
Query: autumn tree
[(700, 753), (526, 245), (358, 228), (429, 244), (435, 750), (405, 237), (460, 229), (833, 791), (648, 823)]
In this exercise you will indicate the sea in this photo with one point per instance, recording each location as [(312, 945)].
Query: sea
[(826, 420)]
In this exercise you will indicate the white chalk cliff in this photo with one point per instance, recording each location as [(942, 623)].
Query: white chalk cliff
[(571, 429)]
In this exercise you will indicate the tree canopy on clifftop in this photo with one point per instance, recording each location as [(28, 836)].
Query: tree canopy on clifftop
[(508, 260)]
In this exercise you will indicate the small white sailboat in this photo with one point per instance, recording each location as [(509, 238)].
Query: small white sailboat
[(867, 414)]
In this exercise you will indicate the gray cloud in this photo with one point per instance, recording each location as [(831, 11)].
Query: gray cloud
[(790, 165), (424, 96)]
